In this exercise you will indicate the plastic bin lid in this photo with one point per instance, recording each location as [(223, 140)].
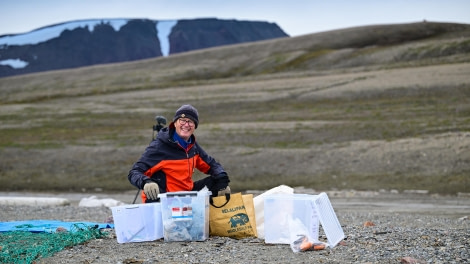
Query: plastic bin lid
[(178, 194), (333, 230), (184, 194)]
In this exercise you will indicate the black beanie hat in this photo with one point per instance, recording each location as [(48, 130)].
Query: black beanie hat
[(187, 111)]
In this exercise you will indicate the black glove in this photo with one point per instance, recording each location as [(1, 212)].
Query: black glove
[(221, 182)]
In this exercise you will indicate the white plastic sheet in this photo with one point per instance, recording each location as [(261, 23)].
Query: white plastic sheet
[(92, 201), (34, 201)]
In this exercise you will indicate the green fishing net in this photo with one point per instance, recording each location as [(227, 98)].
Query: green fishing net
[(27, 247)]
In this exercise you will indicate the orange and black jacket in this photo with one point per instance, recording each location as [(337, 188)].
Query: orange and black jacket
[(170, 165)]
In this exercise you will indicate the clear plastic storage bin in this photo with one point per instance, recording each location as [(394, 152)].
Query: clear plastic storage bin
[(185, 216), (138, 222), (311, 210)]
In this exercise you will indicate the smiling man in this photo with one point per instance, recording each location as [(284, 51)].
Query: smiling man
[(168, 163)]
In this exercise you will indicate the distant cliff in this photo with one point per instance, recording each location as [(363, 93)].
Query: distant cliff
[(189, 35), (89, 42)]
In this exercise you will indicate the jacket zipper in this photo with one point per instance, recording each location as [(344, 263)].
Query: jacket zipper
[(191, 170)]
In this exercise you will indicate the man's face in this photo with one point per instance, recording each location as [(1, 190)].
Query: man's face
[(184, 127)]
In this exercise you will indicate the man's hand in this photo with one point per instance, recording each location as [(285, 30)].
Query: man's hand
[(221, 185), (221, 182), (151, 190)]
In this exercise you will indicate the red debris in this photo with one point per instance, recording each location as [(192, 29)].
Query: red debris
[(61, 229)]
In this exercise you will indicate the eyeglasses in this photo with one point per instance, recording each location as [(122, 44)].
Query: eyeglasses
[(189, 122)]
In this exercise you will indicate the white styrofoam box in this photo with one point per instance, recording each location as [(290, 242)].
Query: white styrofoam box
[(185, 215), (311, 210), (258, 202), (138, 222)]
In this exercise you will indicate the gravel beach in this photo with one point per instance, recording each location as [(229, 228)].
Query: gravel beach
[(380, 227)]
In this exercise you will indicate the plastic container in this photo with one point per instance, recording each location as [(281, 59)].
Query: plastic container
[(311, 210), (258, 202), (138, 222), (185, 216)]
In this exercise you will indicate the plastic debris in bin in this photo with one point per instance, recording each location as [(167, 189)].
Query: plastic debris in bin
[(185, 215), (138, 222), (280, 211)]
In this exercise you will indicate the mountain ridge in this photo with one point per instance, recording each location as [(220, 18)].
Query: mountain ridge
[(89, 42)]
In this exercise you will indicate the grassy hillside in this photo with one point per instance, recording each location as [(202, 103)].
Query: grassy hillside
[(378, 107)]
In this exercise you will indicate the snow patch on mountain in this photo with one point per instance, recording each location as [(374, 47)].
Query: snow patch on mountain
[(164, 29), (14, 63), (44, 34)]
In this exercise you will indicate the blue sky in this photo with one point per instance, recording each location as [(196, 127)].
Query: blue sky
[(295, 17)]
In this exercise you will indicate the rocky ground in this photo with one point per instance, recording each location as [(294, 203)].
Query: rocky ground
[(380, 227)]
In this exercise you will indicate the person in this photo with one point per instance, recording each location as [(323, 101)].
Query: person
[(168, 163)]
